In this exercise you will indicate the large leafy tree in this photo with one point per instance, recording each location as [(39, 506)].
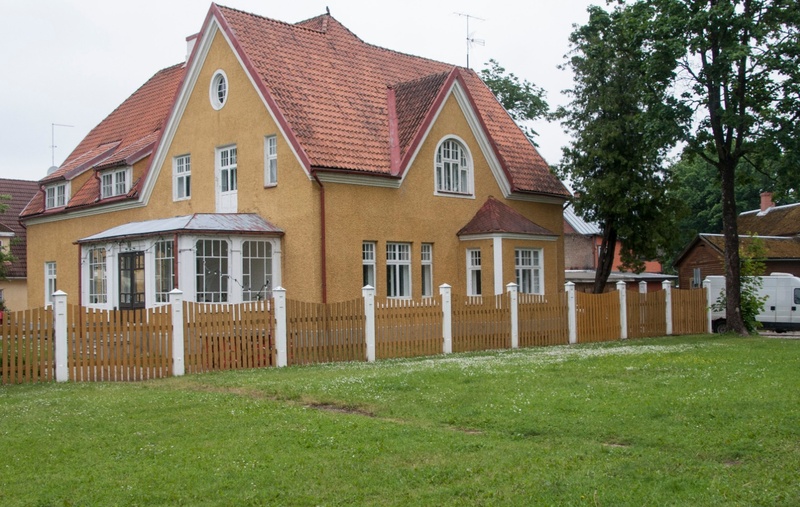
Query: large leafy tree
[(739, 72), (523, 100), (623, 121)]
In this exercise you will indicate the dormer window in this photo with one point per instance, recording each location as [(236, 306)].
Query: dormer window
[(453, 168), (56, 196), (114, 183)]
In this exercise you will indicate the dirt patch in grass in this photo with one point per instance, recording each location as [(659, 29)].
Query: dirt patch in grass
[(340, 409)]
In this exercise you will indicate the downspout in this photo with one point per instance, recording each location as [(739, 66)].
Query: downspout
[(323, 260)]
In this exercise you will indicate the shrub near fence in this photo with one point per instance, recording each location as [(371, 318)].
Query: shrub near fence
[(27, 347)]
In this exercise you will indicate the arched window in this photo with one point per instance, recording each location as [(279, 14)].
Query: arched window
[(453, 168), (218, 92)]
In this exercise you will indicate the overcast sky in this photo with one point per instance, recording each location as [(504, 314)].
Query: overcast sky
[(71, 62)]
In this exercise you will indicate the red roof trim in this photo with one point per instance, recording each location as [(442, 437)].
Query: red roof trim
[(394, 138), (290, 135)]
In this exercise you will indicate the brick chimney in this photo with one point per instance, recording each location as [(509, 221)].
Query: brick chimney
[(766, 201)]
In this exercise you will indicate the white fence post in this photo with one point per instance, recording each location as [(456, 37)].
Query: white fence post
[(642, 287), (60, 325), (368, 293), (178, 352), (667, 286), (513, 298), (707, 288), (572, 313), (447, 318), (279, 295), (622, 289)]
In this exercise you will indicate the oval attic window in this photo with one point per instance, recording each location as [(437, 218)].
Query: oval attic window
[(219, 89)]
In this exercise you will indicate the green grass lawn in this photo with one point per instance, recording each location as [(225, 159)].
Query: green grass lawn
[(673, 421)]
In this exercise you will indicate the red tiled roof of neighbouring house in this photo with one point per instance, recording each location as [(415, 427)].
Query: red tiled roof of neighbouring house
[(494, 217), (126, 135), (331, 87), (21, 192)]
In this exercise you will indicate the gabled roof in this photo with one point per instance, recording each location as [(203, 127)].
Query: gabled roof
[(776, 247), (21, 191), (333, 90), (774, 221), (206, 223), (124, 137), (495, 217)]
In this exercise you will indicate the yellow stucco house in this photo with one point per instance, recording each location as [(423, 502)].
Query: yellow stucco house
[(297, 155)]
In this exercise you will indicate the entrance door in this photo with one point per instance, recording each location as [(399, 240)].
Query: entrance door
[(131, 280), (226, 179)]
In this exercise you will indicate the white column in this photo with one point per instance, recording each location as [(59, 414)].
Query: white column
[(447, 318), (60, 325), (497, 261), (707, 288), (368, 292), (667, 286), (279, 294), (178, 352), (572, 313), (622, 289), (513, 301)]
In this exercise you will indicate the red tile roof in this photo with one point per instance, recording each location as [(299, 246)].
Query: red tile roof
[(21, 192), (332, 87), (123, 137), (495, 217)]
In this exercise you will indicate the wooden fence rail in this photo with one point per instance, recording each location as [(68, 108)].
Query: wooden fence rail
[(689, 311), (408, 328), (481, 323), (543, 321), (598, 317), (324, 333), (646, 314), (27, 346)]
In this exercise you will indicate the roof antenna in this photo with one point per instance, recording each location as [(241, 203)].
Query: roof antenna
[(53, 140), (328, 10), (471, 36)]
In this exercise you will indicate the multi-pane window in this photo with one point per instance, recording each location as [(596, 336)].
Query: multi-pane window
[(427, 270), (474, 272), (271, 160), (183, 177), (398, 270), (256, 270), (528, 267), (98, 285), (56, 196), (452, 168), (368, 264), (50, 285), (218, 93), (227, 169), (131, 280), (114, 183), (164, 270), (211, 257)]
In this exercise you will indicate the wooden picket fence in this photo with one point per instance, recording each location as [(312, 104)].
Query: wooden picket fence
[(118, 345), (543, 320), (325, 333), (689, 314), (26, 346), (597, 317), (646, 313), (481, 323), (408, 328), (219, 336)]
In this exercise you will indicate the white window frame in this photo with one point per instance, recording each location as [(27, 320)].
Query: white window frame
[(182, 177), (56, 196), (221, 272), (163, 270), (474, 281), (426, 271), (398, 270), (270, 161), (97, 261), (368, 265), (453, 176), (227, 179), (256, 290), (115, 182), (218, 89), (696, 278), (528, 269), (50, 282)]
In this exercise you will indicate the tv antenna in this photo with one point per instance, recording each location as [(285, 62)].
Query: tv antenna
[(471, 40), (53, 139)]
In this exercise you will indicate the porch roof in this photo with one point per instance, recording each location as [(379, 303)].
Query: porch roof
[(208, 223)]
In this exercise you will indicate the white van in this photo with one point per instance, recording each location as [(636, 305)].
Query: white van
[(781, 310)]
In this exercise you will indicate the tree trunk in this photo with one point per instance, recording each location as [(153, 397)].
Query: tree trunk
[(733, 293), (605, 260)]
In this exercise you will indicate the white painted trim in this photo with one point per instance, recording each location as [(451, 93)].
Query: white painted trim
[(358, 179), (470, 169), (212, 92), (497, 246), (503, 235), (175, 177)]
